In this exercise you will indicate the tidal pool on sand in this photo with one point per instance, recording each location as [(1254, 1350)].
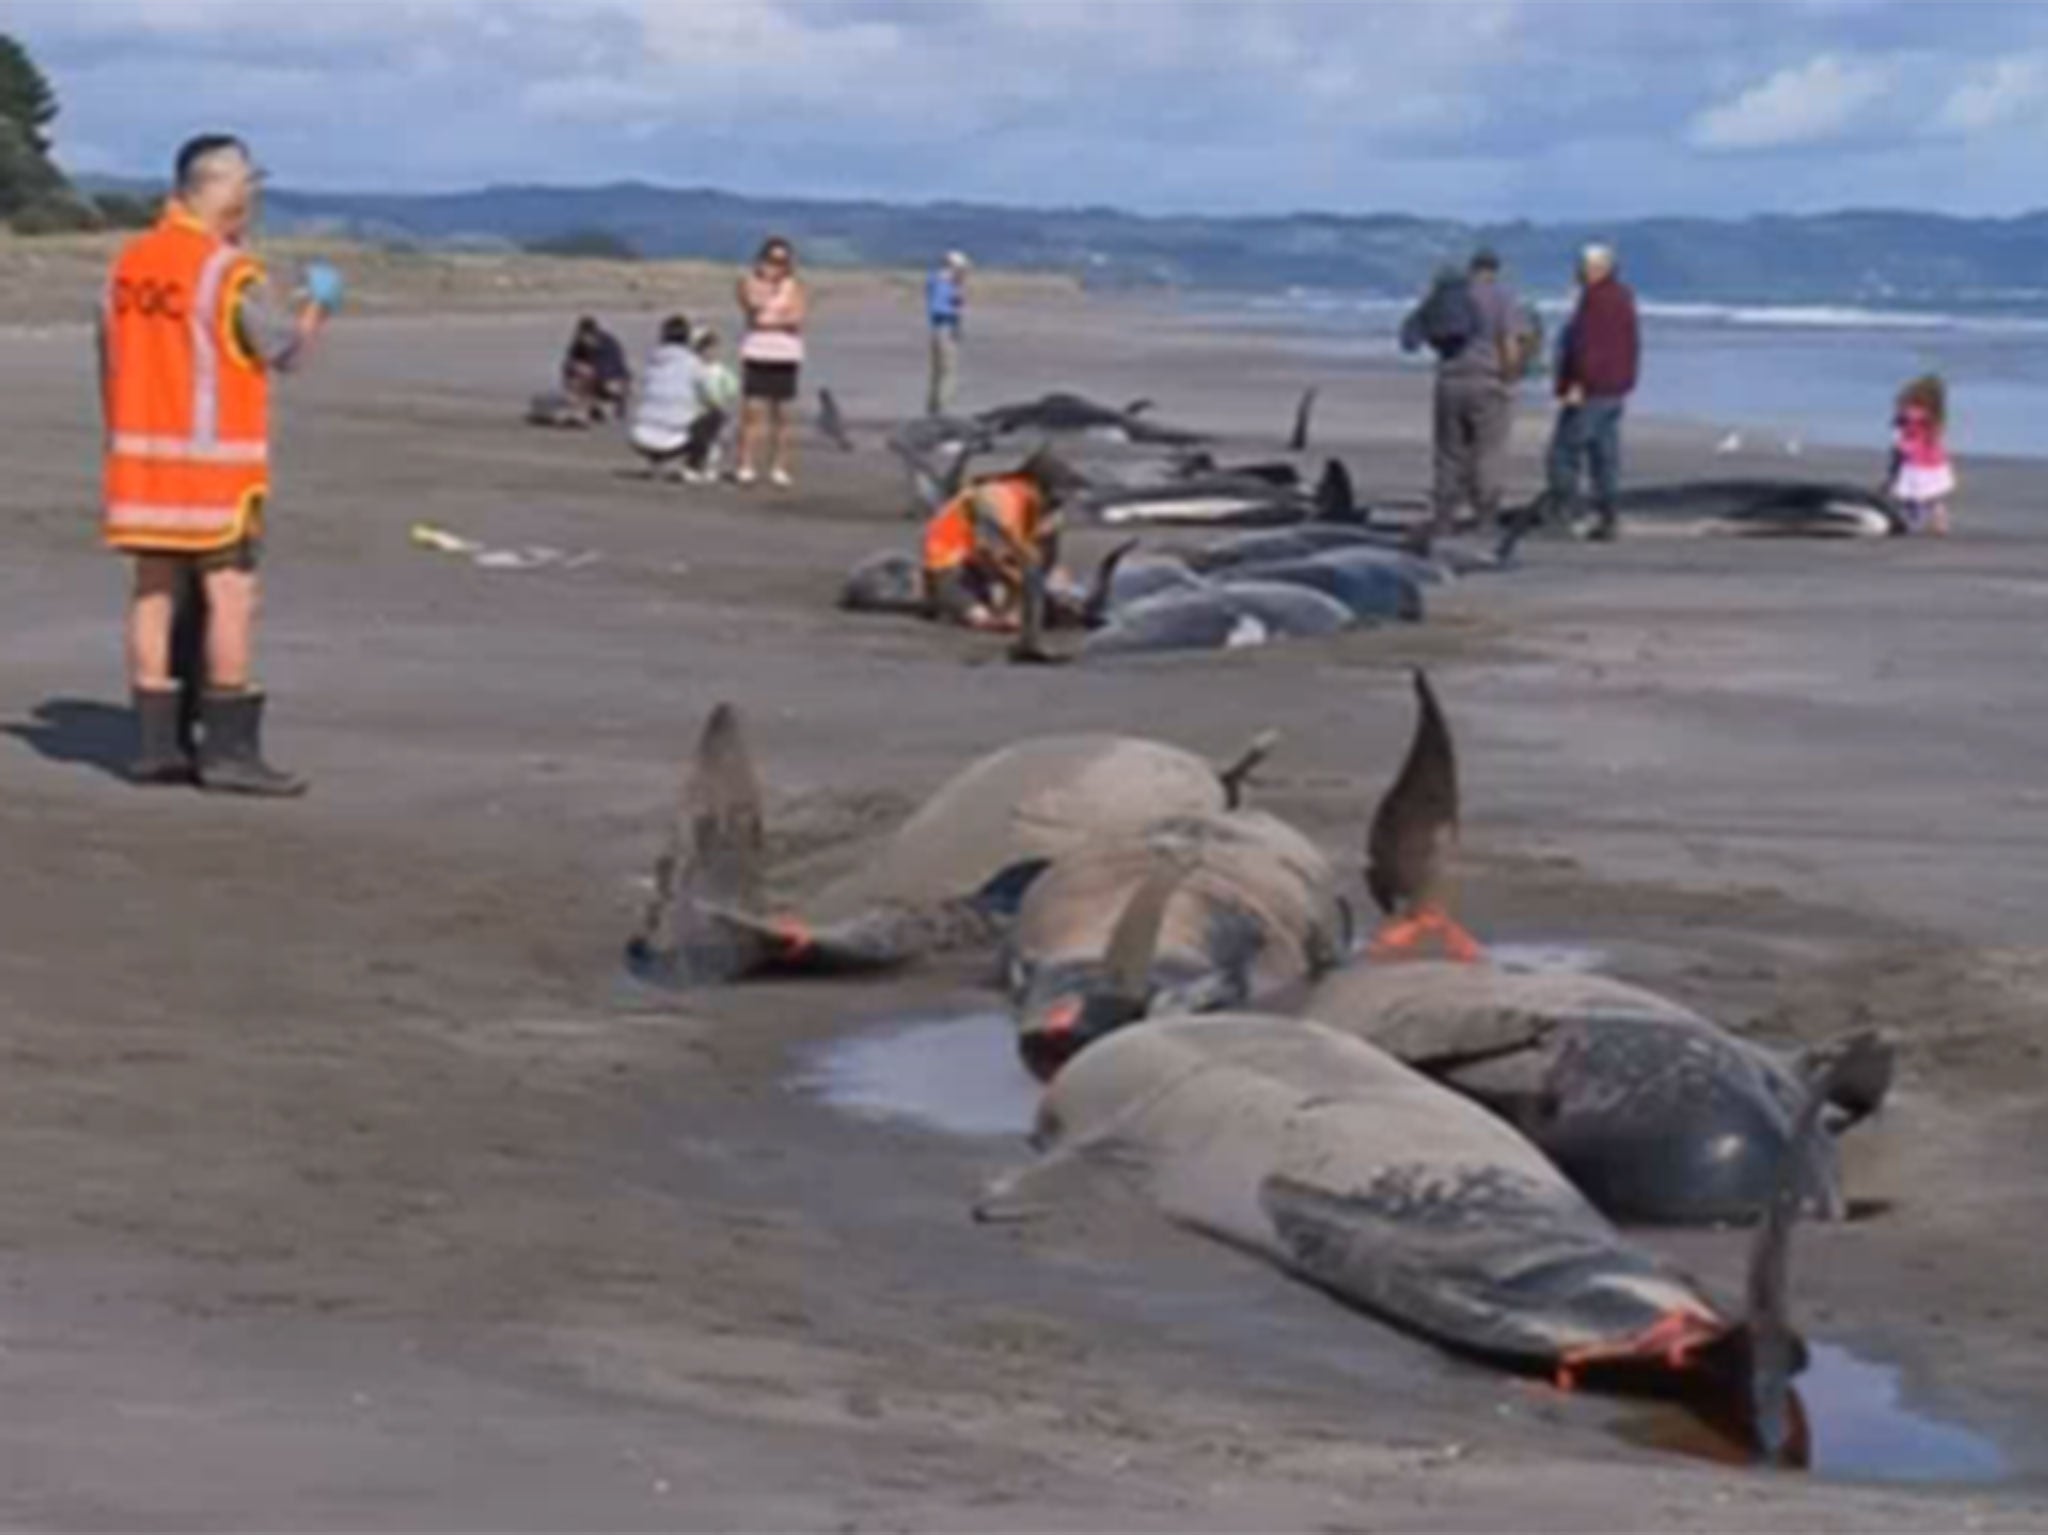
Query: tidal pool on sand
[(1861, 1431), (1857, 1428), (959, 1074)]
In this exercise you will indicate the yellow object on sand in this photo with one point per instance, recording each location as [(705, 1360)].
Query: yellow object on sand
[(427, 536)]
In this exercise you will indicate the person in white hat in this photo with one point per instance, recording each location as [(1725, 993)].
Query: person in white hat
[(945, 300)]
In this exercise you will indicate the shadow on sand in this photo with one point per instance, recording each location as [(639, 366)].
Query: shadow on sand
[(79, 730)]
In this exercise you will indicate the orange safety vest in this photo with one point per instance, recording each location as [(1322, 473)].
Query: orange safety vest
[(188, 408), (951, 539)]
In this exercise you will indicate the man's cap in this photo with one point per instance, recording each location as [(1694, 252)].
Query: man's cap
[(958, 259), (1485, 259)]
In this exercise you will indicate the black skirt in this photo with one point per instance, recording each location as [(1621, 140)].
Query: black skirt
[(768, 380)]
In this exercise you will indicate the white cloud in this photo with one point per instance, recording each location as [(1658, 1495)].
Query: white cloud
[(1806, 104), (1472, 108), (2013, 89)]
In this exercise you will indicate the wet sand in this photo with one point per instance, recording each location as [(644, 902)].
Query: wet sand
[(345, 1184)]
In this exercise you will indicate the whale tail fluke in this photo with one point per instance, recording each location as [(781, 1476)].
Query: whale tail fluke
[(1769, 1351), (1297, 440), (707, 921), (1409, 848), (1737, 1373), (713, 861)]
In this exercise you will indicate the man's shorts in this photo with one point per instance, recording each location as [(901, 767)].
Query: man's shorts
[(245, 554)]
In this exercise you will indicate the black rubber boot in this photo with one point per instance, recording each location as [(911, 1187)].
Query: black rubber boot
[(160, 756), (231, 752)]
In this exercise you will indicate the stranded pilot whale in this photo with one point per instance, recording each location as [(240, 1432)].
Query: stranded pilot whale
[(1740, 508), (924, 886), (1656, 1113), (1192, 913), (1349, 1170)]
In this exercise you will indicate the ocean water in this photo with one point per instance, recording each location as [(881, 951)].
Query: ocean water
[(1780, 378)]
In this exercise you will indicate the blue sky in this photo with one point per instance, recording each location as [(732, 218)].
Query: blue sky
[(1464, 108)]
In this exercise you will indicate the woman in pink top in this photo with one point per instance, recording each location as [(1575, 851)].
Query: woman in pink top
[(1922, 477), (774, 303)]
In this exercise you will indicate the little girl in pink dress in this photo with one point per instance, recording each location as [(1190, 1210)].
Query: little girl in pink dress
[(1922, 478)]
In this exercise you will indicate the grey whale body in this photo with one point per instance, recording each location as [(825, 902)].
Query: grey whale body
[(1765, 508)]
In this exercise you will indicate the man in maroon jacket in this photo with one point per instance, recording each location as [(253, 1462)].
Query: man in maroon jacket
[(1597, 360)]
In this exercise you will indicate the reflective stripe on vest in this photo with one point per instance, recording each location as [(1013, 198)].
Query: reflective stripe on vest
[(187, 449), (137, 445), (148, 516)]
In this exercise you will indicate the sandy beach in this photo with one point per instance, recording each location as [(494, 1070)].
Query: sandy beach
[(345, 1183)]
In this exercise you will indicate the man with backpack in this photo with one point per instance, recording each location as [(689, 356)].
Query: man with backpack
[(1483, 339)]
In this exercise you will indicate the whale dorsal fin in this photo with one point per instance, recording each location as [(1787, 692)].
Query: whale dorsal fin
[(1417, 818), (1297, 440), (1336, 497)]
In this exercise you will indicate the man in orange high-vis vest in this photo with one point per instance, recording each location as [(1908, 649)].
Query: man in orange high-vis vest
[(189, 334), (978, 546)]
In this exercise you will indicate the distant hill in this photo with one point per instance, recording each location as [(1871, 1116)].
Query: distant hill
[(1871, 258)]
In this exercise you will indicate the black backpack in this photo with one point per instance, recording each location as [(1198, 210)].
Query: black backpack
[(1449, 319)]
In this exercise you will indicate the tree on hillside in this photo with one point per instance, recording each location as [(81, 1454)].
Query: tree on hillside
[(34, 196), (26, 176), (591, 243), (26, 99)]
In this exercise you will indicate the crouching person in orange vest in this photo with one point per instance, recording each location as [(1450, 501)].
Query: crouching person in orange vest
[(979, 545), (189, 335)]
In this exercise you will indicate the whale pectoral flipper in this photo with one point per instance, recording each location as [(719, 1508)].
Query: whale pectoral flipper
[(1004, 892)]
